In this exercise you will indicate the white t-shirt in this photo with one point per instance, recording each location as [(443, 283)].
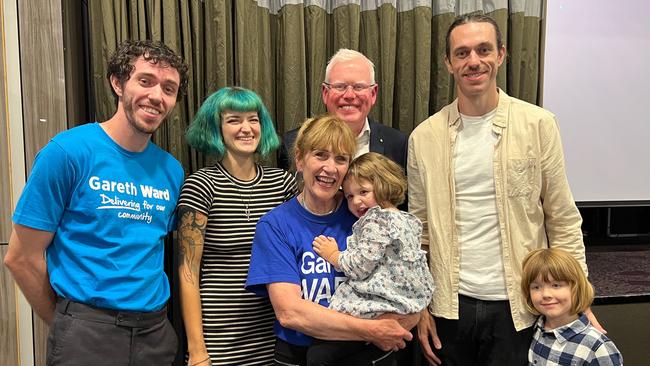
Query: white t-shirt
[(481, 265)]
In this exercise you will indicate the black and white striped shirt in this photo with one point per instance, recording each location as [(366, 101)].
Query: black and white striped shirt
[(237, 325)]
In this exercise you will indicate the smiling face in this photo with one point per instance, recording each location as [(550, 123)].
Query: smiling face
[(554, 300), (240, 132), (148, 96), (322, 171), (474, 59), (350, 106), (360, 195)]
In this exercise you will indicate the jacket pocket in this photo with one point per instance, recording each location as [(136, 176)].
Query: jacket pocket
[(521, 177)]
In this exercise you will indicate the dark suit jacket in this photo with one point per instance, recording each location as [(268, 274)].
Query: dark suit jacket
[(383, 140)]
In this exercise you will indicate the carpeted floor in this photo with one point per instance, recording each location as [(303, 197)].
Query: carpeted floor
[(619, 273)]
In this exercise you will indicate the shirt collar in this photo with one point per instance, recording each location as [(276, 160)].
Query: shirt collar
[(500, 115), (565, 332), (363, 140), (365, 131)]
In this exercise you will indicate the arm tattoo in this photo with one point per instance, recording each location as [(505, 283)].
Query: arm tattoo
[(191, 233)]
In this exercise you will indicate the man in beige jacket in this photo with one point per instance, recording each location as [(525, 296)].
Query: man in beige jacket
[(487, 179)]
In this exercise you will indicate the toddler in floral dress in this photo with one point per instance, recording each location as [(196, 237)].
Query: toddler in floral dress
[(385, 266)]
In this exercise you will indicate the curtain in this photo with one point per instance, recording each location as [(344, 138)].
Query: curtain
[(280, 48)]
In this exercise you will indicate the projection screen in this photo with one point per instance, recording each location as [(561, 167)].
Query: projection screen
[(597, 82)]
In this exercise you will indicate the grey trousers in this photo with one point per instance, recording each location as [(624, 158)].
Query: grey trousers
[(84, 335)]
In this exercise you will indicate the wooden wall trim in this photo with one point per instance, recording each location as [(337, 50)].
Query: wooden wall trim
[(8, 339), (13, 100), (33, 73), (43, 73), (5, 186), (21, 322), (75, 63), (44, 107)]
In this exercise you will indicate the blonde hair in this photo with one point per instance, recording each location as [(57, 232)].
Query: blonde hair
[(561, 266), (386, 177), (323, 133)]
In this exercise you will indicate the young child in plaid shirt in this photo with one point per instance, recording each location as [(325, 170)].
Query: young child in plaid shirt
[(556, 288)]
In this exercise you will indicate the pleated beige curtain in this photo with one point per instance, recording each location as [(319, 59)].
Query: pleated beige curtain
[(280, 49)]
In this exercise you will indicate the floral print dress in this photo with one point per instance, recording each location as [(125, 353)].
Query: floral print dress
[(385, 266)]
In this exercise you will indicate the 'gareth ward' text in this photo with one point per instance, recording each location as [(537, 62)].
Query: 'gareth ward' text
[(147, 191)]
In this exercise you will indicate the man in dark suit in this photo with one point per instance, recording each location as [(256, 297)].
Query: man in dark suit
[(349, 92)]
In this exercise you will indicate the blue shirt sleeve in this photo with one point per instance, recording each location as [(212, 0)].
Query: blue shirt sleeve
[(47, 192)]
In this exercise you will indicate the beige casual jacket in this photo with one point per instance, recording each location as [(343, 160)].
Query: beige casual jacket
[(534, 203)]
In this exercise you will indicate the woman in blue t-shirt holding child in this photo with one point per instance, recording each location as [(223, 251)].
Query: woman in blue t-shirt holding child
[(285, 267)]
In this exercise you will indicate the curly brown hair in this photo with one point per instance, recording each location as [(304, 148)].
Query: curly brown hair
[(120, 64)]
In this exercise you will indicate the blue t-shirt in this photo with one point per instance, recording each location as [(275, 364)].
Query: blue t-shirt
[(110, 210), (282, 252)]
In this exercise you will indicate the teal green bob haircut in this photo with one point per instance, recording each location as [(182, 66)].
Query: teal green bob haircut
[(204, 133)]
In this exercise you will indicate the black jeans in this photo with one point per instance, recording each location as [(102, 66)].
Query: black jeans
[(334, 353), (84, 335), (483, 335)]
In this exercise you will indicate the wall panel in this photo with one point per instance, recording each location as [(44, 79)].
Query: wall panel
[(43, 75), (43, 95), (5, 180), (8, 331), (15, 313), (626, 325)]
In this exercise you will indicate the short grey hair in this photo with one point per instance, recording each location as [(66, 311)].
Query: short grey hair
[(345, 54)]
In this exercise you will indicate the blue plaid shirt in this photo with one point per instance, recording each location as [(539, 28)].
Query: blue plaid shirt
[(577, 343)]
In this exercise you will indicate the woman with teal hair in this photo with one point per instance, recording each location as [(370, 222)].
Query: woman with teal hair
[(218, 209)]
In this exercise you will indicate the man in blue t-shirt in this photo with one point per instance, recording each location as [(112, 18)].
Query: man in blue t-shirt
[(87, 242)]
